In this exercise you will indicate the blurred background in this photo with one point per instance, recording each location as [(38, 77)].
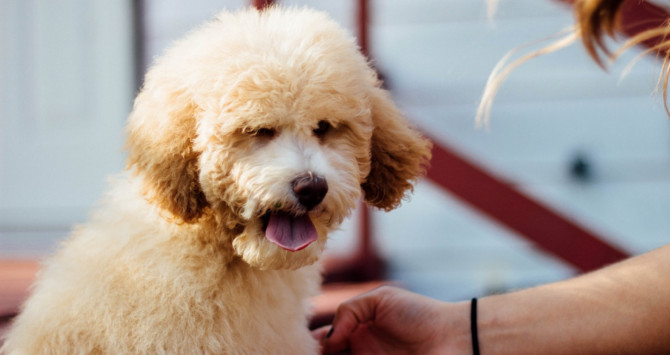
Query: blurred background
[(589, 148)]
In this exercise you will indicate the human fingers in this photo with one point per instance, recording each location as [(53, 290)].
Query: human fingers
[(320, 333), (349, 315)]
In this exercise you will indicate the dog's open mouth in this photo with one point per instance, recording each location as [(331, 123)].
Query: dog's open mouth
[(289, 231)]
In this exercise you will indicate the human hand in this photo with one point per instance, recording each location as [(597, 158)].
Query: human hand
[(389, 320)]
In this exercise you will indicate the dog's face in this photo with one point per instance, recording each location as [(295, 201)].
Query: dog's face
[(288, 156), (271, 131)]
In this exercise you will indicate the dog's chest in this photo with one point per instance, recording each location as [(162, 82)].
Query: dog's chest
[(266, 311)]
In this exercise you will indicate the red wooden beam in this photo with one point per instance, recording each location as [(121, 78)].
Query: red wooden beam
[(638, 16), (500, 201)]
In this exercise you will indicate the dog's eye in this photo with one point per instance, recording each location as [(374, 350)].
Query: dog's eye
[(265, 132), (322, 128)]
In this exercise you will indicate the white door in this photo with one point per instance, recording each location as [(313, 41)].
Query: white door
[(66, 88)]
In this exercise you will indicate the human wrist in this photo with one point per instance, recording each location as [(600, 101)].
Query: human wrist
[(455, 338), (505, 324)]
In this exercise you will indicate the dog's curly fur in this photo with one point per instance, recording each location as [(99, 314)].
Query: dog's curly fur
[(175, 260)]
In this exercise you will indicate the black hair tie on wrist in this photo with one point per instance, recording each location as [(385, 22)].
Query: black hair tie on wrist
[(473, 326)]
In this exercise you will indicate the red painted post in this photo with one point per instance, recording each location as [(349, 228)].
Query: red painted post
[(366, 264), (370, 264), (261, 4), (363, 26)]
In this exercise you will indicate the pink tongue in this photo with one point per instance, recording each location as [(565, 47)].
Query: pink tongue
[(290, 233)]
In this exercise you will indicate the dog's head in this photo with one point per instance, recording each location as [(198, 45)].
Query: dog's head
[(271, 124)]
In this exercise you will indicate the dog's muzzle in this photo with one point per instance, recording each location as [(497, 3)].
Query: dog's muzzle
[(292, 231)]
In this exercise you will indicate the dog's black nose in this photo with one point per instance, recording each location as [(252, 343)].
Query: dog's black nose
[(310, 189)]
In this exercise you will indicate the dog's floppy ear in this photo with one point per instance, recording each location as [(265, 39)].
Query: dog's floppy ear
[(399, 154), (160, 133)]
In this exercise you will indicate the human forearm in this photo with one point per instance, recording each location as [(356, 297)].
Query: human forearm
[(624, 308)]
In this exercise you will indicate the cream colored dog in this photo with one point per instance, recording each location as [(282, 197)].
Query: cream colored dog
[(250, 141)]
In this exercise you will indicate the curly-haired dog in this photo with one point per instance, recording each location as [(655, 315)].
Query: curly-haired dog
[(250, 141)]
